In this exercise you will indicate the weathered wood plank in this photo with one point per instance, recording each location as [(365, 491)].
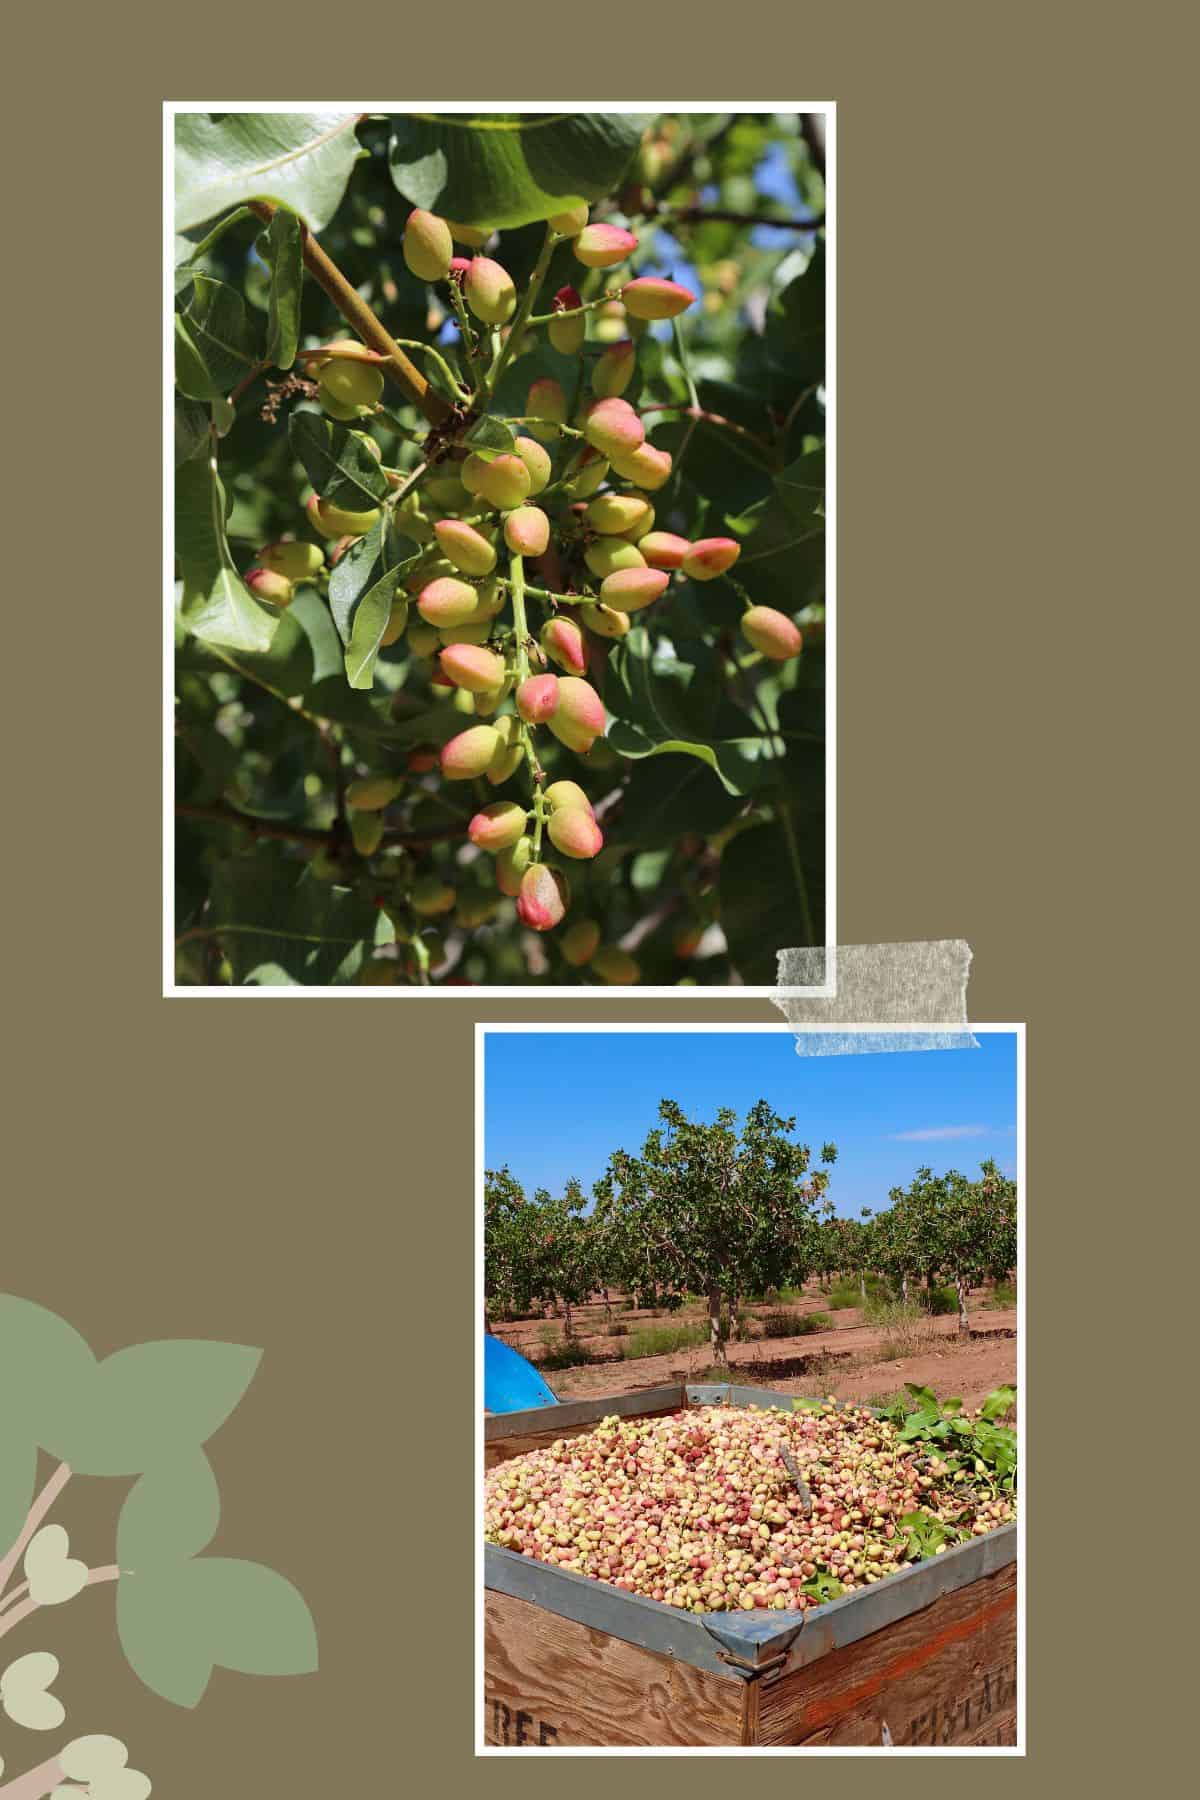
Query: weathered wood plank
[(549, 1680), (944, 1675)]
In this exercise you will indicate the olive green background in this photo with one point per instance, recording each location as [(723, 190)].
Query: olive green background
[(1015, 214)]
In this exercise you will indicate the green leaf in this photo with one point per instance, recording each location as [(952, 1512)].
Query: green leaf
[(217, 606), (148, 1402), (352, 576), (279, 247), (264, 912), (170, 1514), (311, 614), (337, 462), (215, 342), (491, 437), (670, 700), (191, 429), (299, 160), (370, 622), (998, 1403), (508, 169), (667, 795), (796, 323), (177, 1624), (764, 907), (924, 1396)]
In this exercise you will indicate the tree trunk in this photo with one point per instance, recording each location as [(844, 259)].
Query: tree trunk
[(568, 1328), (714, 1326), (487, 1321), (961, 1288), (607, 1307), (735, 1330), (862, 1285), (904, 1289)]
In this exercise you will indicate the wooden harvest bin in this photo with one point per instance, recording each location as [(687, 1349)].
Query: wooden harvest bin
[(926, 1657)]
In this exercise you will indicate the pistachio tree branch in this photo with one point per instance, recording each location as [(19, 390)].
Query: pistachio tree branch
[(356, 312), (35, 1783), (14, 1615)]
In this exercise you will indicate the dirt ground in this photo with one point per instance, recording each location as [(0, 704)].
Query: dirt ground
[(850, 1361)]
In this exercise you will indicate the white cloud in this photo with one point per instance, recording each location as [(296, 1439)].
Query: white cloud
[(931, 1133)]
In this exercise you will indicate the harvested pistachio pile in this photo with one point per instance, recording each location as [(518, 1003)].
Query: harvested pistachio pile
[(699, 1509)]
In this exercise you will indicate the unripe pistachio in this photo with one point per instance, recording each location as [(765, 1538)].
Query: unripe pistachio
[(612, 323), (588, 477), (489, 291), (446, 601), (603, 246), (509, 753), (574, 832), (445, 487), (461, 699), (498, 826), (475, 909), (571, 221), (613, 428), (470, 472), (458, 270), (710, 557), (351, 384), (470, 235), (609, 554), (366, 832), (489, 600), (562, 642), (543, 897), (604, 621), (772, 633), (567, 335), (631, 589), (663, 550), (334, 522), (423, 639), (489, 703), (411, 521), (644, 525), (614, 370), (578, 718), (472, 667), (527, 531), (265, 584), (546, 403), (470, 753), (368, 443), (650, 298), (648, 467), (505, 482), (432, 567), (537, 698), (371, 793), (579, 942), (475, 631), (334, 408), (511, 865), (428, 246), (298, 561), (431, 896), (465, 547), (617, 515), (566, 793), (536, 461), (397, 620), (615, 966)]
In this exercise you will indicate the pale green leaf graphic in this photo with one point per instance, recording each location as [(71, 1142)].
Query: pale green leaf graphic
[(280, 247), (507, 169), (217, 606), (170, 1514), (150, 1401), (299, 160), (18, 1472), (177, 1623)]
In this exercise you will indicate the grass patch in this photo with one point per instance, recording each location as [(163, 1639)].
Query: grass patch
[(792, 1324), (939, 1301), (1003, 1296), (908, 1329), (663, 1340), (616, 1328), (567, 1356), (843, 1298)]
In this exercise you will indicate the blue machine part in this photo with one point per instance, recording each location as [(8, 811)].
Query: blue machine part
[(510, 1384)]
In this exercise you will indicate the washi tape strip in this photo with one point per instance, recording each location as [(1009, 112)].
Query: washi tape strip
[(918, 984)]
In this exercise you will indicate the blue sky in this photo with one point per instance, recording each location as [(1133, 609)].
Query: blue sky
[(556, 1105)]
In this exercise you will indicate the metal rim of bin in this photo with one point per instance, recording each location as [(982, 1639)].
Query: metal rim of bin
[(709, 1640)]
